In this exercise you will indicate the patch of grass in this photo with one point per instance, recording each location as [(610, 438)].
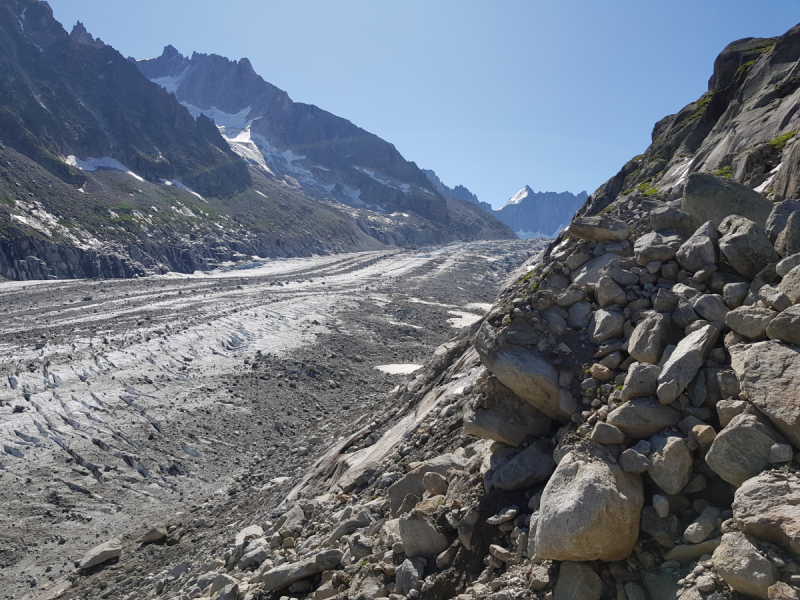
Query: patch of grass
[(768, 45), (647, 189), (638, 157), (742, 71), (608, 209), (779, 143), (724, 172), (702, 103)]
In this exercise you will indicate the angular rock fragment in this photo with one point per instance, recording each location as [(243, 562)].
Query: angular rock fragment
[(643, 417), (767, 506), (100, 554), (750, 321), (649, 338), (601, 228), (641, 381), (682, 366), (711, 198), (671, 463), (505, 418), (743, 566), (605, 325), (745, 246), (533, 465), (577, 581), (779, 216), (786, 326), (700, 249), (420, 537)]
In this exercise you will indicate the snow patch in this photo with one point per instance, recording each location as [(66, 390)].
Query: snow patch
[(237, 121), (106, 162), (399, 368), (178, 184), (171, 83), (519, 196)]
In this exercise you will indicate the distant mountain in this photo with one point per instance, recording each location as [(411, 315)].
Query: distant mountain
[(459, 191), (539, 214), (105, 173)]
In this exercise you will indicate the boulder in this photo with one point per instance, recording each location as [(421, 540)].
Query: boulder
[(743, 566), (408, 576), (589, 274), (684, 314), (671, 463), (711, 307), (602, 228), (533, 465), (767, 506), (435, 483), (774, 298), (154, 534), (589, 511), (769, 376), (788, 240), (286, 574), (649, 338), (605, 325), (786, 326), (750, 321), (251, 532), (734, 294), (745, 246), (787, 264), (412, 482), (711, 198), (577, 581), (641, 381), (669, 217), (665, 530), (633, 461), (685, 362), (779, 216), (579, 315), (700, 249), (523, 370), (100, 554), (608, 292), (604, 433), (741, 450), (703, 526), (420, 537), (643, 417), (506, 418), (790, 285), (653, 246)]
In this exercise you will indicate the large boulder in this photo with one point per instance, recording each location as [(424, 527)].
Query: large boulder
[(788, 241), (608, 292), (533, 465), (711, 198), (641, 381), (743, 566), (779, 216), (606, 325), (745, 246), (643, 417), (505, 417), (589, 510), (786, 326), (700, 250), (421, 537), (286, 574), (750, 321), (649, 338), (684, 362), (100, 554), (602, 228), (589, 274), (742, 449), (769, 376), (671, 463), (654, 246), (790, 285), (767, 506), (412, 482), (523, 370)]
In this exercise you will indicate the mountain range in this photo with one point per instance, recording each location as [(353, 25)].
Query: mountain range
[(116, 167)]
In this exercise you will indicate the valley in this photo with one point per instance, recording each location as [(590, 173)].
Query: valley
[(126, 402)]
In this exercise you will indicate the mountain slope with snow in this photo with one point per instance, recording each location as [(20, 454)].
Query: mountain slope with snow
[(539, 214)]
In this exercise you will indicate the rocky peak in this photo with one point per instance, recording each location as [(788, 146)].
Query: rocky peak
[(80, 35)]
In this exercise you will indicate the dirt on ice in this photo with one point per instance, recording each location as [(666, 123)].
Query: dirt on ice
[(126, 402)]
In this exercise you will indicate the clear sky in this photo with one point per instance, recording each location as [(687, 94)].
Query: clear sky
[(491, 95)]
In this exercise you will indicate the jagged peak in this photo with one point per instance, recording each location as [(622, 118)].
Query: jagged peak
[(170, 52), (520, 195), (80, 35)]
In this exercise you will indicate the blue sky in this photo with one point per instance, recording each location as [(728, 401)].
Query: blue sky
[(557, 95)]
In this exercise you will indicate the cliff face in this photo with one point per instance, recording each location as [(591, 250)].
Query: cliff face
[(539, 214), (743, 128)]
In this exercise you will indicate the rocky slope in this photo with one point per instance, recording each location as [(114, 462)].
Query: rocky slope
[(622, 424), (103, 173), (459, 191), (539, 214)]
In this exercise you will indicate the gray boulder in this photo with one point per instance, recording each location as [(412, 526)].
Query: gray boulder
[(505, 418), (665, 530), (579, 315), (788, 241), (641, 381), (286, 574), (607, 434), (420, 537), (533, 465), (750, 321), (790, 285), (608, 292), (589, 511), (767, 506), (412, 482), (786, 326), (703, 526), (643, 417), (779, 216), (671, 463), (649, 338), (685, 362), (745, 246), (653, 246), (711, 198), (577, 581), (774, 298), (699, 250), (743, 566), (605, 325), (787, 264), (408, 576), (742, 449), (589, 274), (523, 370), (668, 217), (711, 307), (602, 228), (734, 294), (769, 376), (100, 554)]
